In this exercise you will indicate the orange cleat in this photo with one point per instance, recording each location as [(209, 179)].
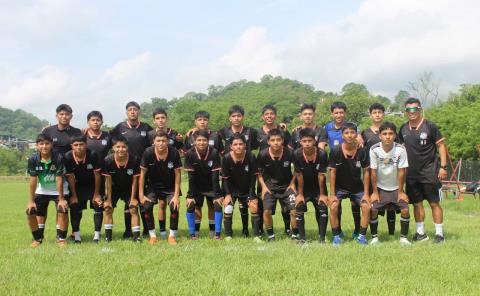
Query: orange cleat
[(172, 241), (62, 243), (152, 241), (35, 244)]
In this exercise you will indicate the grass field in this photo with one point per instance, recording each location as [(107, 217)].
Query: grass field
[(240, 266)]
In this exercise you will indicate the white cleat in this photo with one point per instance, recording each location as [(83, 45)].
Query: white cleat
[(374, 241), (228, 238), (405, 242), (258, 240)]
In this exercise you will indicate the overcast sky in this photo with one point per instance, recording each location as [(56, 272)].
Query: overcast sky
[(101, 54)]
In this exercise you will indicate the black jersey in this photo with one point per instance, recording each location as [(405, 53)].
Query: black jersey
[(262, 137), (201, 170), (83, 170), (101, 144), (276, 173), (137, 137), (61, 138), (310, 169), (122, 176), (370, 138), (348, 169), (171, 136), (421, 145), (249, 133), (239, 178), (214, 141), (320, 136), (161, 172)]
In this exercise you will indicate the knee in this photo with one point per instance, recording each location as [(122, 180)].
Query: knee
[(228, 209), (217, 206), (405, 212), (253, 207), (133, 210), (108, 211), (334, 206), (191, 207), (301, 207)]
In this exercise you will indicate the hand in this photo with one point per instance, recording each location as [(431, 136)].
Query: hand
[(299, 199), (298, 127), (144, 199), (360, 141), (442, 174), (324, 199), (73, 199), (107, 204), (366, 198), (402, 196), (133, 202), (97, 199), (332, 199), (265, 191), (374, 197), (190, 201), (292, 187), (63, 205), (283, 126), (84, 130), (191, 131), (227, 200), (31, 206), (218, 201), (176, 202)]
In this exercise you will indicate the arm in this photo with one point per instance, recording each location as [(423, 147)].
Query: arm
[(264, 186), (299, 198), (292, 184), (176, 195), (322, 179), (333, 177), (366, 184), (96, 194), (73, 189), (32, 185), (108, 191), (373, 177), (401, 183), (133, 199), (62, 203), (442, 150), (141, 185)]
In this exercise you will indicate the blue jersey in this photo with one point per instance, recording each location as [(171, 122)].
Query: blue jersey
[(334, 135)]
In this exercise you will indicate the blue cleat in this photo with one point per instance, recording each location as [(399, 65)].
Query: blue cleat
[(355, 235), (362, 240), (337, 240), (342, 235)]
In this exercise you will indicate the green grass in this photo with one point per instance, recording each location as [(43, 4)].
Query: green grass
[(240, 266)]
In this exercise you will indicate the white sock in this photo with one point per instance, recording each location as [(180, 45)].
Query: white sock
[(439, 229), (41, 226), (108, 226), (96, 235), (420, 227), (173, 233), (136, 229), (57, 226), (76, 235), (152, 233)]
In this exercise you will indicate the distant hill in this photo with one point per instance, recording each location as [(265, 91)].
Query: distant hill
[(20, 124)]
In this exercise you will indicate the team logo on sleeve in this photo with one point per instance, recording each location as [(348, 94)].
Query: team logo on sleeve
[(246, 168), (286, 164), (423, 138), (170, 141), (55, 139), (143, 133), (246, 137), (317, 167), (170, 165), (210, 163), (211, 142), (358, 164), (129, 172), (104, 142), (89, 166)]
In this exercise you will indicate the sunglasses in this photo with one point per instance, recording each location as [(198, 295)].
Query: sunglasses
[(412, 109)]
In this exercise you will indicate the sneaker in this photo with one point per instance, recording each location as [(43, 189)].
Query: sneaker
[(337, 240), (294, 237), (172, 240), (301, 242), (152, 241), (355, 235), (77, 241), (439, 239), (127, 234), (35, 244), (245, 233), (405, 242), (228, 238), (374, 241), (420, 237), (258, 239), (137, 239), (271, 239), (362, 240), (197, 234), (62, 243)]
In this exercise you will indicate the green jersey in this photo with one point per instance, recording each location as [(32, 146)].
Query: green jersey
[(47, 173)]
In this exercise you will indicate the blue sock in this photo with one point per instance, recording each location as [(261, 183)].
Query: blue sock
[(191, 222), (218, 222)]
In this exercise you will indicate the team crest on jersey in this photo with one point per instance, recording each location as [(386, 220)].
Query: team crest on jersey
[(55, 139), (317, 167), (246, 168), (358, 164), (423, 138), (170, 141), (210, 163), (170, 165), (104, 142), (53, 167), (335, 142), (210, 142), (130, 172), (286, 164), (89, 166), (316, 138), (387, 161), (246, 137), (143, 133)]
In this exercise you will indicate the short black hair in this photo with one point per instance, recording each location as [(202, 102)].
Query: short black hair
[(119, 138), (161, 134), (132, 104), (307, 133), (349, 125), (202, 133), (159, 111), (64, 107), (376, 106), (338, 105), (236, 109), (387, 125), (43, 137), (275, 132), (79, 138), (412, 100), (269, 107), (202, 114), (307, 107), (238, 136), (95, 114)]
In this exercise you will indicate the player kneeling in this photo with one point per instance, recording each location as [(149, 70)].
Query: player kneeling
[(46, 172), (121, 171), (160, 182), (388, 163), (239, 174), (202, 163), (310, 167)]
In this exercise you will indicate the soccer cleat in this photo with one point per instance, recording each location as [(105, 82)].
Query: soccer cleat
[(217, 237), (228, 238), (287, 231), (341, 235), (337, 240), (355, 235), (405, 242), (271, 239), (294, 237), (301, 242), (193, 237), (439, 239), (108, 240), (362, 240), (137, 240), (420, 237), (77, 241), (152, 241), (245, 233), (258, 239), (127, 234), (35, 244), (374, 241), (211, 233), (172, 241), (62, 243), (96, 241)]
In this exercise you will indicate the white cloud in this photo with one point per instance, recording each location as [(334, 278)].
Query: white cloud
[(127, 69)]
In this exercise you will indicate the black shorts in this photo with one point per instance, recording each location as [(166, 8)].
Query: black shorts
[(155, 196), (120, 196), (418, 192), (286, 199), (200, 198), (42, 201), (84, 194), (389, 199)]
